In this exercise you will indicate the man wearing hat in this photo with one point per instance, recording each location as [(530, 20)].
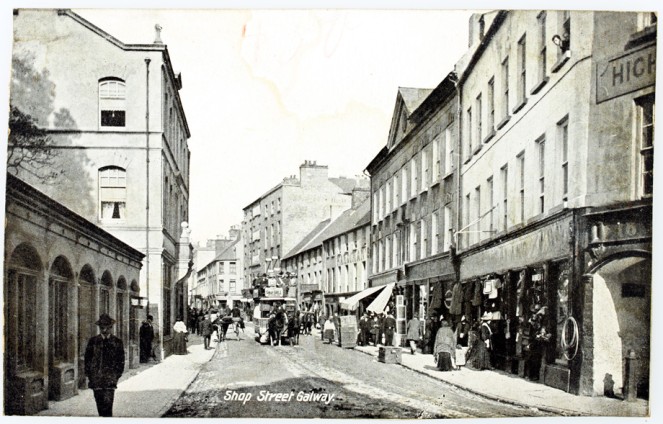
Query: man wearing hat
[(146, 334), (104, 365)]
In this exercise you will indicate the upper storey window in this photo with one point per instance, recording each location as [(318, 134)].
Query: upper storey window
[(112, 102), (112, 193)]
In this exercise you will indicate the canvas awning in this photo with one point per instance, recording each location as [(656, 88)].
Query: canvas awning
[(381, 301), (351, 302)]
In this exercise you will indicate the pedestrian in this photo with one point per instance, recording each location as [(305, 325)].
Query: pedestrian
[(337, 328), (375, 330), (477, 356), (146, 335), (414, 332), (323, 319), (104, 365), (389, 324), (364, 330), (180, 337), (206, 330), (329, 330), (445, 348)]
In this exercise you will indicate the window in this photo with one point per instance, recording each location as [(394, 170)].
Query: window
[(505, 196), (542, 46), (646, 122), (436, 158), (232, 286), (395, 248), (466, 220), (404, 182), (425, 171), (565, 31), (423, 238), (521, 185), (222, 268), (447, 233), (413, 242), (22, 308), (477, 208), (112, 102), (541, 142), (388, 197), (375, 207), (491, 105), (479, 121), (112, 193), (491, 204), (522, 71), (470, 134), (448, 151), (415, 177), (435, 231), (505, 88), (563, 131)]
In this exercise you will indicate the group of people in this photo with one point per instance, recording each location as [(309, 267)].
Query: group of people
[(376, 329), (475, 338)]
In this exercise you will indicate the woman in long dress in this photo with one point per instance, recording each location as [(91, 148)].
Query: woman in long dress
[(414, 333), (478, 356), (445, 348), (179, 339)]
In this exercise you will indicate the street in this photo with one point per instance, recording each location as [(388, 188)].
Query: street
[(312, 379)]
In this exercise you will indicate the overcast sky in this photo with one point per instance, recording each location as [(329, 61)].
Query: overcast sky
[(264, 90)]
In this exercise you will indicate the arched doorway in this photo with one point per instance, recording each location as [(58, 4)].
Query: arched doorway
[(86, 317), (60, 347), (23, 276), (121, 302), (105, 290), (622, 321)]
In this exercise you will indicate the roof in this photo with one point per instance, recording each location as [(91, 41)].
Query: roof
[(227, 254), (413, 97)]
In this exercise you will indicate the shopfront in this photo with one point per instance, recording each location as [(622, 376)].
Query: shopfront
[(522, 289)]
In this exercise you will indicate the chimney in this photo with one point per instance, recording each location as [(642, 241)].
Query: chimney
[(234, 232), (312, 174), (157, 39)]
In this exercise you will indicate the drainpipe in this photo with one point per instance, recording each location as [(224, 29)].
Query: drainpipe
[(147, 183), (459, 159)]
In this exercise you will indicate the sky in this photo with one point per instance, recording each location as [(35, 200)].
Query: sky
[(266, 89)]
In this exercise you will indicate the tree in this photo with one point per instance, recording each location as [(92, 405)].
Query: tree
[(30, 148)]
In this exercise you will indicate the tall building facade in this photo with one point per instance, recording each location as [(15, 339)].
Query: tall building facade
[(119, 140), (413, 186), (555, 198), (278, 220), (220, 281)]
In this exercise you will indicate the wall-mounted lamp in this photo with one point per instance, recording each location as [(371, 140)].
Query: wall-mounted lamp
[(562, 42)]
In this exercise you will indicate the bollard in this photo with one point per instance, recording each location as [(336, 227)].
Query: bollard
[(629, 390)]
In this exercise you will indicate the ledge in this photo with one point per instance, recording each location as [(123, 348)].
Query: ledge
[(477, 149), (641, 37), (539, 86), (503, 122), (520, 105), (562, 60), (489, 137), (467, 159)]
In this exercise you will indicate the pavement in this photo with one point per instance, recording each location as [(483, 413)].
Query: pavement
[(145, 392), (151, 389), (508, 388)]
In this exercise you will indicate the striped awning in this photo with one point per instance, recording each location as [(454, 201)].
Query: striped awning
[(381, 301), (351, 302)]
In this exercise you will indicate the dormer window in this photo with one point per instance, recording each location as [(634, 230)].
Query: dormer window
[(112, 102)]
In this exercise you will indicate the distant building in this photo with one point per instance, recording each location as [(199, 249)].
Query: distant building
[(330, 262), (61, 273), (220, 281), (106, 105), (278, 220)]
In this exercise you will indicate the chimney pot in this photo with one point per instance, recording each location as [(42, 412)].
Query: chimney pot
[(157, 39)]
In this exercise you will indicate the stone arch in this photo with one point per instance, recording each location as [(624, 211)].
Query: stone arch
[(87, 316), (105, 290)]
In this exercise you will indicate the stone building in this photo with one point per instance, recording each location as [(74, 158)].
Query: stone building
[(413, 182), (279, 219), (119, 136), (556, 193), (60, 273)]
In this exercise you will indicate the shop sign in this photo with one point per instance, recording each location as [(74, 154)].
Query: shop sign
[(626, 73), (273, 292), (448, 296)]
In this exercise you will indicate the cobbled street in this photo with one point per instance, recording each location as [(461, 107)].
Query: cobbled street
[(313, 379)]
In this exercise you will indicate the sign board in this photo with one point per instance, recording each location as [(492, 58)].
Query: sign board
[(273, 292), (626, 73)]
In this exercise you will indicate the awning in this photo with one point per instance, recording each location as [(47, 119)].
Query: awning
[(381, 301), (351, 302)]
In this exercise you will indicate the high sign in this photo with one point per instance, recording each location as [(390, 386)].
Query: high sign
[(626, 73)]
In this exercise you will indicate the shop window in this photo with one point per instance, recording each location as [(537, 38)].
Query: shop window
[(22, 315), (112, 102)]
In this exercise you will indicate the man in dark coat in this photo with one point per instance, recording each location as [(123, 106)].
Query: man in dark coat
[(146, 334), (206, 330), (364, 330), (389, 327), (104, 365)]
